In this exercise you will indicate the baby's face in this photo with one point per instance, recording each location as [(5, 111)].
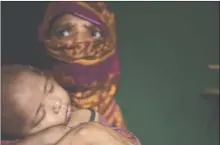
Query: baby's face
[(45, 103)]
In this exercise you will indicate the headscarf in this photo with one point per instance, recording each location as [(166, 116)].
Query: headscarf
[(82, 72)]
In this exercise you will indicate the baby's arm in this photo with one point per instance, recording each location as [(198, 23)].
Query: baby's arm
[(95, 133), (49, 136), (87, 115), (83, 115)]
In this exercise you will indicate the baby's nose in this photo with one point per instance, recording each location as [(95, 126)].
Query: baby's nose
[(57, 106)]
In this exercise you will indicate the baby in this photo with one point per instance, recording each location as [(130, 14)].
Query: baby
[(33, 102)]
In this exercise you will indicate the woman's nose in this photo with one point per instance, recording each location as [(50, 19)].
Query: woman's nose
[(82, 37)]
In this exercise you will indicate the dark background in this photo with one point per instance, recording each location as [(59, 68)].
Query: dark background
[(165, 48)]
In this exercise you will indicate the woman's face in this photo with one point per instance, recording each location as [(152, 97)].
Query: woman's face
[(73, 39), (45, 103)]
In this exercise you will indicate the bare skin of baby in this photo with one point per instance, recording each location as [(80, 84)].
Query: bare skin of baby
[(42, 114)]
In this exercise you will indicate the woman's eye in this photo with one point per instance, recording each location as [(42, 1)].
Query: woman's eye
[(96, 34), (49, 88), (63, 33)]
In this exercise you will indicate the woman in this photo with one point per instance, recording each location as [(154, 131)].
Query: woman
[(80, 38)]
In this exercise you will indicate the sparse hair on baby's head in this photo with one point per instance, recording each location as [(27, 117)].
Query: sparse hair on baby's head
[(11, 120)]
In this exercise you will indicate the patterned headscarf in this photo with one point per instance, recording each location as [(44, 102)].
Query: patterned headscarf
[(82, 71)]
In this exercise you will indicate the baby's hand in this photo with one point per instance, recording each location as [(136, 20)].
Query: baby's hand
[(81, 116)]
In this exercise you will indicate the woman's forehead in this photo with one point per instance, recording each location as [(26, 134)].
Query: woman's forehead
[(69, 18)]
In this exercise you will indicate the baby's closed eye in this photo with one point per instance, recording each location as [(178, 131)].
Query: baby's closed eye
[(39, 115)]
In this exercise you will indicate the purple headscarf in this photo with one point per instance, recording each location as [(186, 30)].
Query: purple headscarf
[(98, 14)]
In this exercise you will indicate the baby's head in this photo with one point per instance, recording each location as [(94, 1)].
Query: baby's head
[(31, 101)]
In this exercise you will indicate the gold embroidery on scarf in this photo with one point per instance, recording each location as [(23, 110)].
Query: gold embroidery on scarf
[(118, 117), (100, 99), (109, 109), (103, 16), (106, 103), (94, 99), (78, 94), (91, 62), (111, 119)]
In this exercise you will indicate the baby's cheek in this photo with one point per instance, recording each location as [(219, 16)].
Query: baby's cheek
[(50, 118), (36, 129), (47, 122)]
